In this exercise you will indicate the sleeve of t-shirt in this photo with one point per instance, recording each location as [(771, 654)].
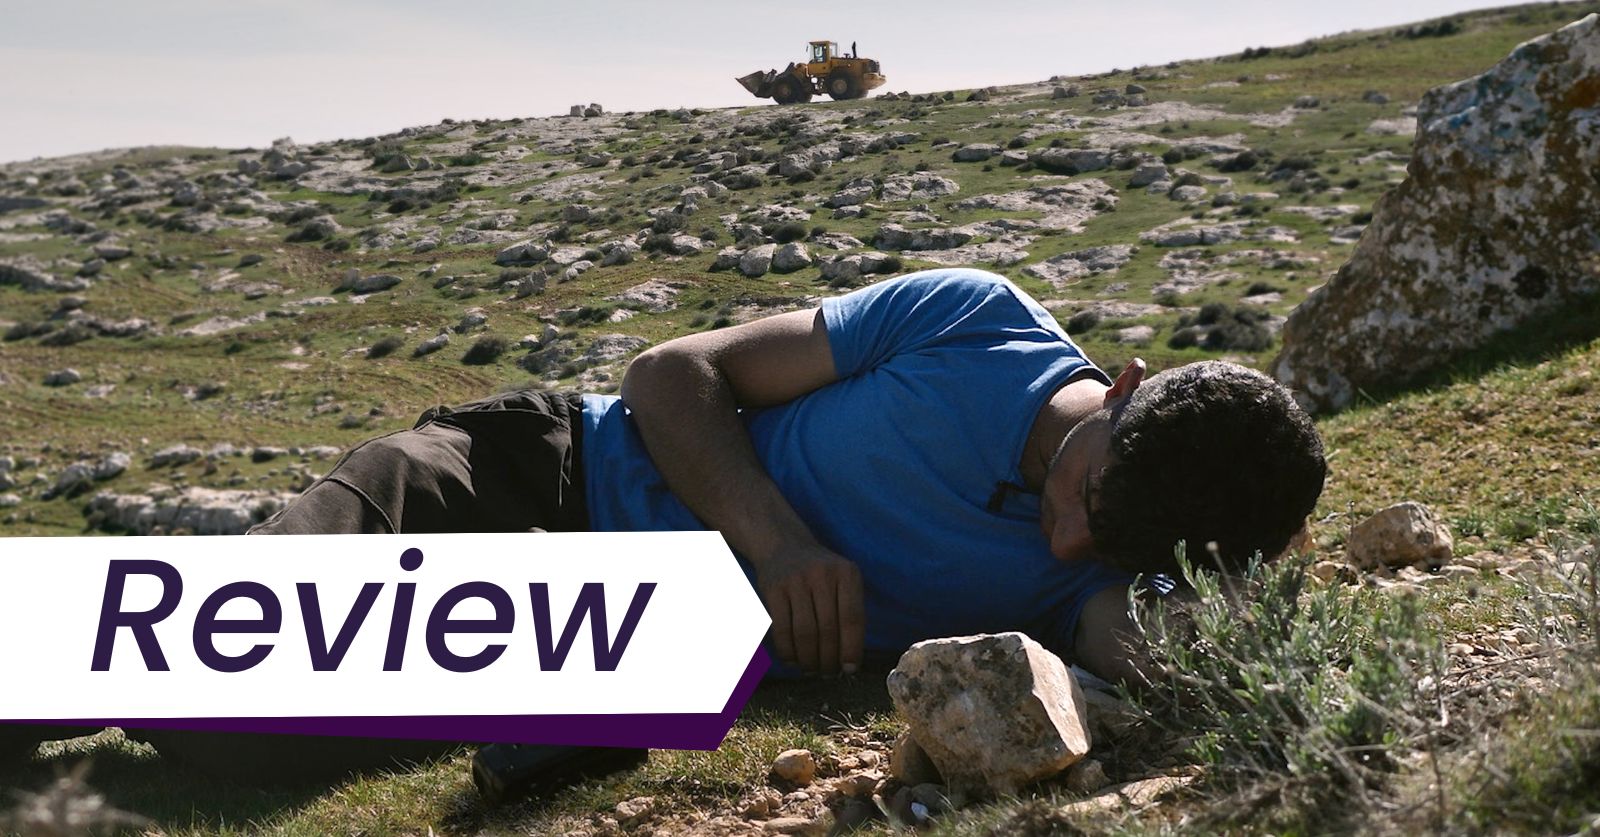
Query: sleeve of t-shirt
[(871, 325), (1059, 633)]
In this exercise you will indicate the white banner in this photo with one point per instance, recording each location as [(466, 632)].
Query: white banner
[(373, 625)]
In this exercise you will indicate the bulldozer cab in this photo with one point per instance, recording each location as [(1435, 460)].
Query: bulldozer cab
[(822, 52)]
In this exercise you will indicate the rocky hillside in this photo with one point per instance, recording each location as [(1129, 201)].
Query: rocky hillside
[(191, 334)]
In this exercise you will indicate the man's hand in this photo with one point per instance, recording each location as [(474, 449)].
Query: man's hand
[(814, 596), (684, 395)]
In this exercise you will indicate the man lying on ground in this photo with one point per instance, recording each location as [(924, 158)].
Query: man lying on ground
[(928, 456)]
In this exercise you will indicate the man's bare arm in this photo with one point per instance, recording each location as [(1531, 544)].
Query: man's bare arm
[(1107, 642), (684, 395)]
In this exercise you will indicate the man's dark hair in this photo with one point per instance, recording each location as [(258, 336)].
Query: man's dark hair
[(1212, 454)]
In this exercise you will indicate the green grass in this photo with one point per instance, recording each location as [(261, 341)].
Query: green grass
[(1501, 443)]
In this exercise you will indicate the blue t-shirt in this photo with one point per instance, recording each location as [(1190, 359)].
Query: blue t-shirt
[(941, 375)]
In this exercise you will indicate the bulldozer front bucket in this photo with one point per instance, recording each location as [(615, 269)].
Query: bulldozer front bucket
[(759, 83)]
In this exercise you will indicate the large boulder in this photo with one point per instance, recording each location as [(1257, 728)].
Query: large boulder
[(896, 237), (975, 153), (527, 251), (1494, 226), (918, 186), (1066, 268), (374, 283), (853, 193), (32, 276), (1070, 160), (757, 260), (654, 296), (201, 511), (1148, 173), (791, 257), (994, 712)]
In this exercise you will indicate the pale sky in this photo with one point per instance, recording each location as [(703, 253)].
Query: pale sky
[(82, 75)]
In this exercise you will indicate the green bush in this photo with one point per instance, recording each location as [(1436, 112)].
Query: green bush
[(1437, 29), (384, 347), (485, 350), (788, 231), (1541, 774), (1083, 321), (1243, 161), (1311, 688), (668, 222), (1186, 337), (1211, 313)]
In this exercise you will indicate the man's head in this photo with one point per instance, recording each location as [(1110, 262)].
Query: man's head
[(1212, 454)]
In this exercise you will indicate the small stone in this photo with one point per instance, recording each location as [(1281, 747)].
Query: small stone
[(910, 764), (1087, 776), (1146, 791), (1101, 802), (764, 803), (862, 784), (112, 252), (373, 284), (792, 825), (63, 377), (111, 466), (266, 454), (471, 320), (431, 345), (851, 813), (1331, 571), (632, 812), (174, 456), (935, 797), (994, 712), (796, 767), (1401, 535), (1111, 717)]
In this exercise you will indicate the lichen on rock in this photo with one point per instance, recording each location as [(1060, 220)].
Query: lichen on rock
[(1495, 225)]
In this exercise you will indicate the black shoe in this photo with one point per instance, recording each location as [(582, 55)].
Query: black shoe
[(505, 772)]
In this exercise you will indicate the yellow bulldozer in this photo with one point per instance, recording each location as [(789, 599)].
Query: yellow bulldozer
[(826, 71)]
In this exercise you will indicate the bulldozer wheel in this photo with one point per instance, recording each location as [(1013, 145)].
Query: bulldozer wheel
[(787, 90), (843, 86)]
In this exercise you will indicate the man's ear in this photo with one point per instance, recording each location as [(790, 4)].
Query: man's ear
[(1123, 387)]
